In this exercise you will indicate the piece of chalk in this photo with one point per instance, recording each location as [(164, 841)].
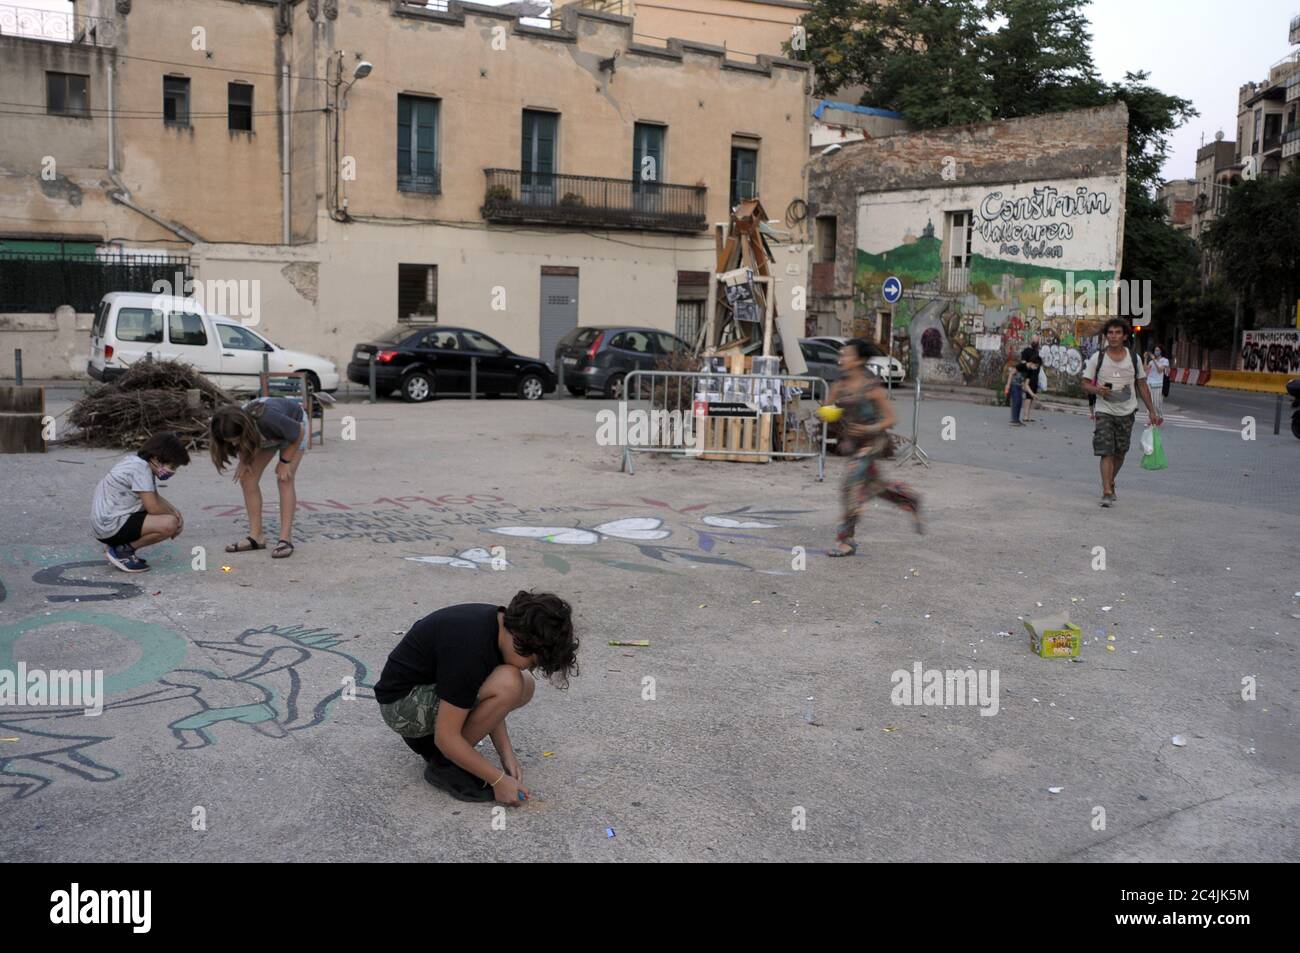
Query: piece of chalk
[(609, 832), (523, 796)]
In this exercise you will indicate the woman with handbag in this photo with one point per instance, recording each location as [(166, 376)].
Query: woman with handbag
[(867, 417)]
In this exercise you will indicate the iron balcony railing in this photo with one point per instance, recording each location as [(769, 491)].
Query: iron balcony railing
[(1291, 143), (57, 26), (430, 183), (593, 201)]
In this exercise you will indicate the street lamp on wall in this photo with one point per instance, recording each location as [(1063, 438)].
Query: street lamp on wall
[(363, 69)]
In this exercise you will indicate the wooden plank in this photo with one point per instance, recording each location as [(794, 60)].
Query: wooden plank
[(22, 400), (768, 313), (21, 433), (735, 426), (22, 415), (765, 434)]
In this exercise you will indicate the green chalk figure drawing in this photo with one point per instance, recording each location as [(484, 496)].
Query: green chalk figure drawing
[(274, 680)]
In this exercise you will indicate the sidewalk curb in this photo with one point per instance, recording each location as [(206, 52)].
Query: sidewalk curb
[(977, 395)]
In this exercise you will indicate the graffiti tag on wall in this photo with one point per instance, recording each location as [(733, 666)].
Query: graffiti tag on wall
[(1275, 352)]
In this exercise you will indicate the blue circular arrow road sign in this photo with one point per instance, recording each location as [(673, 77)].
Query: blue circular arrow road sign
[(892, 289)]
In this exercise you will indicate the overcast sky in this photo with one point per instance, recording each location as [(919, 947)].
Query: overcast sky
[(1202, 50)]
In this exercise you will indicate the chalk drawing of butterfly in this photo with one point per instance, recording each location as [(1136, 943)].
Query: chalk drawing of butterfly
[(469, 559), (636, 528)]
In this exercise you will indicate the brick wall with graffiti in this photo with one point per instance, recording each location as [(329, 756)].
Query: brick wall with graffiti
[(983, 269)]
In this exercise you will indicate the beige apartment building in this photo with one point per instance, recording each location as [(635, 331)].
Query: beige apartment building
[(1268, 115), (746, 28), (377, 161)]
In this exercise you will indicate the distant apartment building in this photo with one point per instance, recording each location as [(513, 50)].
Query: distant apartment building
[(1178, 197), (1216, 172), (375, 161), (1268, 116)]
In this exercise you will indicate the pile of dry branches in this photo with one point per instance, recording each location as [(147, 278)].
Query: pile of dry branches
[(148, 399)]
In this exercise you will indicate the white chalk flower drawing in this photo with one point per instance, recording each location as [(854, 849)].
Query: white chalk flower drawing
[(637, 528), (726, 522), (469, 559)]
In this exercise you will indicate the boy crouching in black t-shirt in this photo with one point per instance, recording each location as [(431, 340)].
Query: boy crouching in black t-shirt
[(459, 672)]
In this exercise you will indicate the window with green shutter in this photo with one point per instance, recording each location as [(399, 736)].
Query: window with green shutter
[(417, 145)]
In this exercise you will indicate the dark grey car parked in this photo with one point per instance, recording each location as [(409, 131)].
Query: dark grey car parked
[(597, 360)]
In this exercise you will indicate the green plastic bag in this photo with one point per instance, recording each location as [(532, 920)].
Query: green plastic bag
[(1155, 460)]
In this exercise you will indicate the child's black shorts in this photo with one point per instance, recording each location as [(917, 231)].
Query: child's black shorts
[(131, 530)]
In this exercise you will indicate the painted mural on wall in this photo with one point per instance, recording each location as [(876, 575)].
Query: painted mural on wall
[(975, 263)]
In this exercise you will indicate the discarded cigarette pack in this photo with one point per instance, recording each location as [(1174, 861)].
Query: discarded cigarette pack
[(1054, 636)]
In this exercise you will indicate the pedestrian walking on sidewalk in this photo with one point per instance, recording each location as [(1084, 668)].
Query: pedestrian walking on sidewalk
[(1157, 375), (1114, 377), (868, 415)]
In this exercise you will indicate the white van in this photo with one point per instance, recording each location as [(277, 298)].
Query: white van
[(130, 325)]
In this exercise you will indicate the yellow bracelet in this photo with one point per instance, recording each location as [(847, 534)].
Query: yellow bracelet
[(497, 781)]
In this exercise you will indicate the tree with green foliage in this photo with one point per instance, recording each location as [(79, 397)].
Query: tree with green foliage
[(1038, 58), (919, 57), (1207, 317), (1257, 242)]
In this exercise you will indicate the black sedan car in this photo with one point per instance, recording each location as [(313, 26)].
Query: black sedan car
[(425, 362)]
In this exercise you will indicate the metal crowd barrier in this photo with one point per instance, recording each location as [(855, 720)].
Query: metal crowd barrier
[(674, 398)]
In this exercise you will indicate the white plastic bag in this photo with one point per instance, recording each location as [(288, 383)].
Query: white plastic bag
[(1148, 441), (1042, 379)]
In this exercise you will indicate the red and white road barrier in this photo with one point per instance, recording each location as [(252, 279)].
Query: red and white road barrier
[(1187, 375)]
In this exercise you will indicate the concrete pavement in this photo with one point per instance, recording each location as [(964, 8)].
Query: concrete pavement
[(228, 691)]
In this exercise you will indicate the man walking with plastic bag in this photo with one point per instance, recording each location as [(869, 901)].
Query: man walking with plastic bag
[(1114, 376)]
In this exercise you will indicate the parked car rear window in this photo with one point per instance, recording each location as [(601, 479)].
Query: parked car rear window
[(186, 327), (140, 325), (101, 319), (637, 341), (583, 336), (393, 335)]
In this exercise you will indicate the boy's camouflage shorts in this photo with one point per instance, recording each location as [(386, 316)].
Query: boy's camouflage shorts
[(414, 715), (1112, 435)]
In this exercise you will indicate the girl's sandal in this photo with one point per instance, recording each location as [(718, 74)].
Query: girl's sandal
[(283, 550), (239, 547), (852, 550)]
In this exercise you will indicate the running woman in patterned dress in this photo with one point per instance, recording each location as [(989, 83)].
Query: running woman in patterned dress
[(868, 415)]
